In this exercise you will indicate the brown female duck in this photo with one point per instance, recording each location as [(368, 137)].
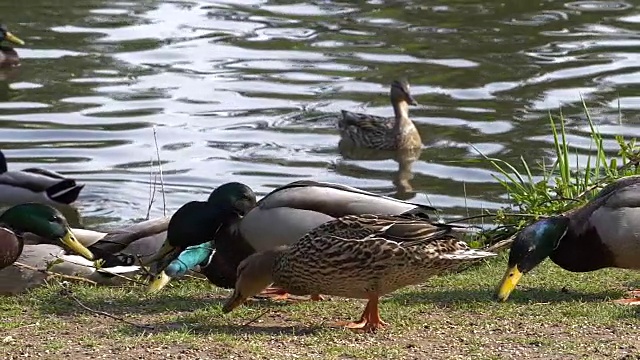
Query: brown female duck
[(356, 256), (370, 131)]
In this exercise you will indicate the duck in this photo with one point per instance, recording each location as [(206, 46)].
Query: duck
[(120, 251), (357, 256), (603, 233), (125, 246), (38, 219), (36, 185), (8, 56), (36, 263), (239, 225), (382, 133)]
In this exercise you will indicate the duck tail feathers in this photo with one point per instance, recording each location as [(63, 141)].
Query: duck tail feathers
[(66, 191)]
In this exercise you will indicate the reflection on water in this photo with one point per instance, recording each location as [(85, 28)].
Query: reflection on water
[(234, 88)]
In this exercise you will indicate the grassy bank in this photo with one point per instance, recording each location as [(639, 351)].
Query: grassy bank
[(554, 314)]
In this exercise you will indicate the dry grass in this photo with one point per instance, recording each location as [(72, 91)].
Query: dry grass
[(554, 314)]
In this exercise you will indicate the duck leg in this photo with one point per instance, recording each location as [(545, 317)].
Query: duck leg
[(634, 300), (275, 293), (370, 320), (375, 322), (360, 323)]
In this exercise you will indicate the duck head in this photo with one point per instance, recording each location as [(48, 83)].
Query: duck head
[(199, 255), (198, 222), (254, 274), (401, 93), (531, 246), (6, 35), (44, 221)]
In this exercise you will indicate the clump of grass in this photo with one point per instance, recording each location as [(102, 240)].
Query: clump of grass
[(562, 186)]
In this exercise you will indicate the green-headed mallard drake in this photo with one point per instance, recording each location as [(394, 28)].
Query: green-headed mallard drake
[(31, 234), (356, 256), (16, 279), (240, 226), (603, 233), (382, 133), (8, 56), (36, 185), (121, 246), (39, 219)]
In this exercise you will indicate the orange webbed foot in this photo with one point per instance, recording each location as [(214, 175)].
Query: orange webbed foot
[(370, 320), (634, 298), (629, 301)]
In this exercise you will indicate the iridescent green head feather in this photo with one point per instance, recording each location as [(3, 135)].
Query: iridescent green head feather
[(530, 247), (44, 221)]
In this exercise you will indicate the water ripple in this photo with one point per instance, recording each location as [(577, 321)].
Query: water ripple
[(235, 91)]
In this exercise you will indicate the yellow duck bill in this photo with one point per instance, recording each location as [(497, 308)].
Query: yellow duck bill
[(70, 240), (159, 282), (509, 282), (14, 39)]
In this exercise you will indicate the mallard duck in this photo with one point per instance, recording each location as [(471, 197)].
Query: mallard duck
[(26, 273), (20, 226), (125, 246), (382, 133), (129, 245), (603, 233), (240, 226), (39, 219), (8, 56), (36, 185), (356, 256)]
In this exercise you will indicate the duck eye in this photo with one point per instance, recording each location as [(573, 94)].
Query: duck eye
[(55, 219)]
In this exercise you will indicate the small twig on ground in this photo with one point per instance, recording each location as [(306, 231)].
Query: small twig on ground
[(144, 268), (256, 318), (201, 278), (164, 200), (53, 274), (68, 293)]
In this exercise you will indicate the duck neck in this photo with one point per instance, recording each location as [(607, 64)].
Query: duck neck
[(271, 257), (401, 111)]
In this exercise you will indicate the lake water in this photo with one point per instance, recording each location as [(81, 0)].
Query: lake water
[(235, 88)]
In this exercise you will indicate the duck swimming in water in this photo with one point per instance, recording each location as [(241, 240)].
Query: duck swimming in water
[(8, 56)]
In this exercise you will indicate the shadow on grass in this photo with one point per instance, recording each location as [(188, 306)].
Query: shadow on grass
[(195, 326), (519, 296), (56, 303)]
